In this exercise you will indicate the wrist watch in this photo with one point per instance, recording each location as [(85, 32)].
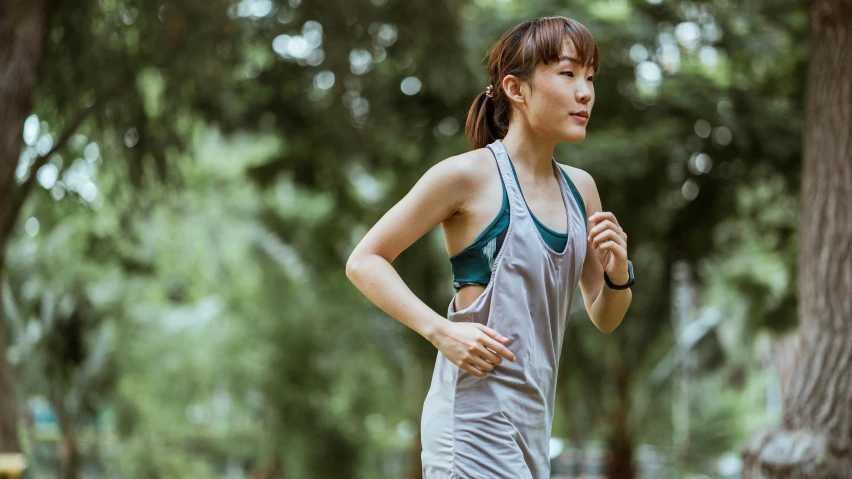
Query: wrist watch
[(623, 286)]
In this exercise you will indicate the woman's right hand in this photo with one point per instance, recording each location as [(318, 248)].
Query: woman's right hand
[(474, 347)]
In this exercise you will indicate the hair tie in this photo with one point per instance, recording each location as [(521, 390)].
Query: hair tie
[(489, 91)]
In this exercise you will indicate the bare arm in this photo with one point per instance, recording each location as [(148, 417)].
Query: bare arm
[(440, 193), (606, 307)]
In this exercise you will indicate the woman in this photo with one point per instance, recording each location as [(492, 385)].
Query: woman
[(515, 227)]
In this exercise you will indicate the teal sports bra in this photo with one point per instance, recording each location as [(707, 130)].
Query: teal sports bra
[(473, 265)]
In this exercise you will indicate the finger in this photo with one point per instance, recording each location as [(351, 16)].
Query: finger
[(614, 248), (608, 235), (480, 363), (601, 237), (604, 237), (491, 332), (471, 369), (489, 355), (603, 215), (598, 227), (604, 226), (500, 349)]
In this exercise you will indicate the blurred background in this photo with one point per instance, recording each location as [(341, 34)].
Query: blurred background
[(183, 181)]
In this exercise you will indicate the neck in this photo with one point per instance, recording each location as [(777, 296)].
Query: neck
[(529, 152)]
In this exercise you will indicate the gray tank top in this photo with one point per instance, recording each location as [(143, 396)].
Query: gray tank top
[(498, 426)]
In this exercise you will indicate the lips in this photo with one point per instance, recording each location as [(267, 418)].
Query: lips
[(580, 116)]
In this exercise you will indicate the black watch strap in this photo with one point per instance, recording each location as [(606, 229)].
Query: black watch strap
[(623, 286)]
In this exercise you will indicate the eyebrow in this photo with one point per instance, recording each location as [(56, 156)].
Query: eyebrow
[(569, 59)]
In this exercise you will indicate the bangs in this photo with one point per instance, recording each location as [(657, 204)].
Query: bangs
[(545, 40)]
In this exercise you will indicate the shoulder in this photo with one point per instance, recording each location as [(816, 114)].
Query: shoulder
[(456, 180), (464, 170), (584, 182)]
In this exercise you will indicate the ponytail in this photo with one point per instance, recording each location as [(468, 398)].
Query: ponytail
[(485, 123)]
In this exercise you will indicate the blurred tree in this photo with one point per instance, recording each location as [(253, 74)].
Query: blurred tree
[(23, 27), (112, 69), (697, 107), (75, 64), (814, 437)]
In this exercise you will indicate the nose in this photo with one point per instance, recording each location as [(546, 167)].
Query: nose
[(583, 94)]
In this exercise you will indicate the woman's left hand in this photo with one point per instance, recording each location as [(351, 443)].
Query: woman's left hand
[(610, 243)]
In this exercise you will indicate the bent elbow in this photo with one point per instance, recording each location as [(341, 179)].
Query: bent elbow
[(361, 268), (611, 328), (352, 265), (604, 327)]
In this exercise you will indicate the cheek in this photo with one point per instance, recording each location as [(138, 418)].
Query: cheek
[(555, 105)]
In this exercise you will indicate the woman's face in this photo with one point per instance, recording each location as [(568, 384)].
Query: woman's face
[(562, 92)]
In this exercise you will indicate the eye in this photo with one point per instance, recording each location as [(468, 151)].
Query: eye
[(591, 79), (571, 74)]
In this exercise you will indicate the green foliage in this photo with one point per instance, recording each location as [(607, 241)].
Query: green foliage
[(208, 311)]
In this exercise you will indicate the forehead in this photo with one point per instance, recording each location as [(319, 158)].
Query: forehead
[(568, 57), (568, 54), (568, 49)]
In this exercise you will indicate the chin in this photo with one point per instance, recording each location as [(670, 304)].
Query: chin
[(575, 135)]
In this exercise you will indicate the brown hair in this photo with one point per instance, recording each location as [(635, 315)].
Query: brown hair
[(517, 53)]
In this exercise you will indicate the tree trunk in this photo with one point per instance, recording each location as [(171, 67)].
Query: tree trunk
[(69, 452), (271, 471), (814, 438), (416, 471), (8, 405), (619, 459), (23, 29)]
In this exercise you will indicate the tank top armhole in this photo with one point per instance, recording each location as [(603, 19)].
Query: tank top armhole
[(577, 197), (488, 229)]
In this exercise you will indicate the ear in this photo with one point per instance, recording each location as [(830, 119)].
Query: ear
[(514, 89)]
